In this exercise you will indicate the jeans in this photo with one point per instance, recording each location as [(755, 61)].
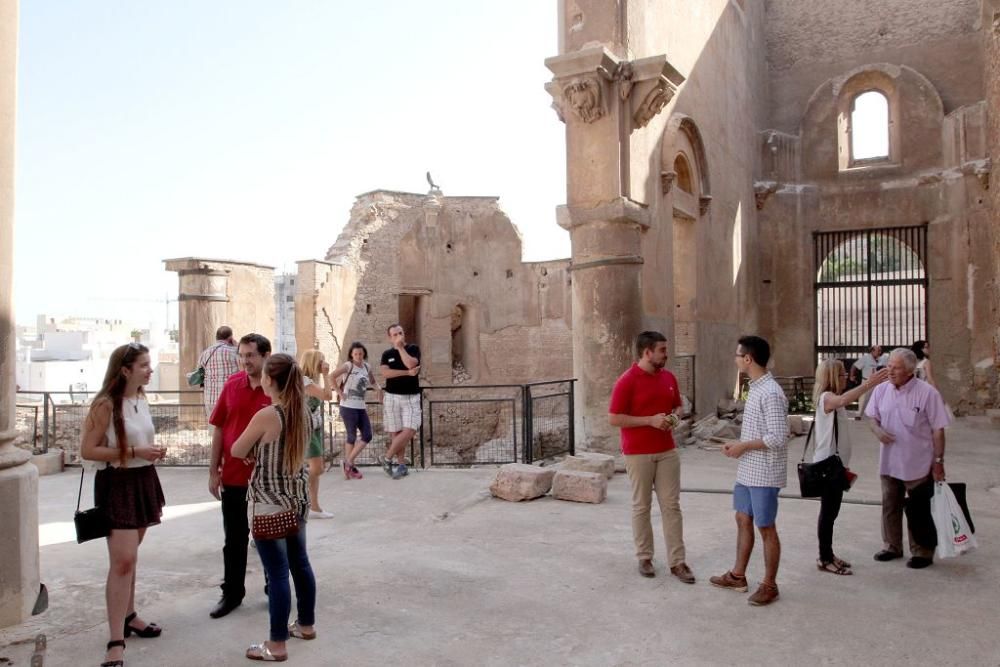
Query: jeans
[(661, 473), (234, 549), (829, 508), (278, 558)]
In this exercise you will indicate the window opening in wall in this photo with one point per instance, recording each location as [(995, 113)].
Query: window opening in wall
[(870, 126), (683, 171)]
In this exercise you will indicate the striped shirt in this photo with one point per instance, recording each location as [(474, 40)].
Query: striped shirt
[(219, 361), (765, 417), (910, 413), (271, 484)]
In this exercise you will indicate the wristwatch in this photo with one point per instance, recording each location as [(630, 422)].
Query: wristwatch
[(939, 459)]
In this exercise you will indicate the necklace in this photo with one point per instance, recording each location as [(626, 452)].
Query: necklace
[(135, 404)]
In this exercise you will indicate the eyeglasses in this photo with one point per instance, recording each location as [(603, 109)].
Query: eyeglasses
[(135, 346)]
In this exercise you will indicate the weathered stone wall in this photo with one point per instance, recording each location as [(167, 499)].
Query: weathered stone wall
[(927, 59), (434, 262), (810, 41)]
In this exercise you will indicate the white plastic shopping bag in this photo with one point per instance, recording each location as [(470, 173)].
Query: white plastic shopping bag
[(954, 536)]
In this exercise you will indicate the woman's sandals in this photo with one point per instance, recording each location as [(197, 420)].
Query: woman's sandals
[(835, 566), (296, 631)]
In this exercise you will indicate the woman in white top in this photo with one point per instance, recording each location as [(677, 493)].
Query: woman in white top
[(118, 435), (830, 399), (351, 390)]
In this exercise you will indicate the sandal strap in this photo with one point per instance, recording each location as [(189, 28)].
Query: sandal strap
[(116, 642)]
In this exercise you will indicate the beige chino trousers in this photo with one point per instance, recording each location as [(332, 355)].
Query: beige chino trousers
[(660, 473)]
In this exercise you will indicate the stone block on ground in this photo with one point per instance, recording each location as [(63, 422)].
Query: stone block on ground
[(49, 463), (603, 464), (520, 481), (797, 425), (579, 486)]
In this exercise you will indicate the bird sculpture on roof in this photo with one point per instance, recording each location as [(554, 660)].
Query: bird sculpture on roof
[(435, 188)]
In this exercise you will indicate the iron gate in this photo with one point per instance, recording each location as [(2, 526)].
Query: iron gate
[(870, 289)]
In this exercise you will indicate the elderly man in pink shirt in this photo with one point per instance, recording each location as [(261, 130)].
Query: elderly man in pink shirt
[(908, 417)]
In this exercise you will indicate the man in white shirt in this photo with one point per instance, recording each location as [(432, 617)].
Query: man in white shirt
[(865, 366)]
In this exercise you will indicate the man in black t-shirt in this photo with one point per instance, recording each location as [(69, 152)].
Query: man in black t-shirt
[(400, 367)]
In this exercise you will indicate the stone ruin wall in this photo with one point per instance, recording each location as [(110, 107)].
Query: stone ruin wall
[(455, 259), (933, 56)]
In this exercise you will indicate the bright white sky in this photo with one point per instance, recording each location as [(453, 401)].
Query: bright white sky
[(244, 128)]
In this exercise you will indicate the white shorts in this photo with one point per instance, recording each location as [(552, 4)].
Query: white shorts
[(401, 411)]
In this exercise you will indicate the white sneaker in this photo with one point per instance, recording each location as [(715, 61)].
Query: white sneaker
[(313, 514)]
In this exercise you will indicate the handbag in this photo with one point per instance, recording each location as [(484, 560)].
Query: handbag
[(90, 524), (196, 378), (816, 478), (274, 525)]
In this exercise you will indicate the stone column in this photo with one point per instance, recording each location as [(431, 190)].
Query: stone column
[(19, 576), (202, 300), (603, 100)]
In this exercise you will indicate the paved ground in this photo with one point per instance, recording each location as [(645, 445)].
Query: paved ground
[(432, 571)]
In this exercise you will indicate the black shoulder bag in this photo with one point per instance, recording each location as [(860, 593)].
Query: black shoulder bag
[(816, 478), (90, 524)]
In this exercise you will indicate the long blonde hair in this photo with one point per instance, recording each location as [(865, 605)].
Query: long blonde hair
[(312, 364), (285, 373), (828, 378)]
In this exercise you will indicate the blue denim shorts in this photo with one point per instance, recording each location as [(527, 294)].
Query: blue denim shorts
[(759, 502)]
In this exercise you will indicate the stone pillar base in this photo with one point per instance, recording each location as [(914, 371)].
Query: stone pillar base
[(19, 575)]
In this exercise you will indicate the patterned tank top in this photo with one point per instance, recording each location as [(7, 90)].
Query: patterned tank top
[(271, 483)]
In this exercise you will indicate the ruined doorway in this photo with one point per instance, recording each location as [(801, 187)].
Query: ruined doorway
[(464, 344), (870, 289), (409, 316)]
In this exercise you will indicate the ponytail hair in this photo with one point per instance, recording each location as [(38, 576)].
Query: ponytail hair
[(285, 373)]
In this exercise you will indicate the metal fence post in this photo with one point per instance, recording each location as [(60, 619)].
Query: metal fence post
[(423, 464), (45, 422), (572, 418), (529, 432)]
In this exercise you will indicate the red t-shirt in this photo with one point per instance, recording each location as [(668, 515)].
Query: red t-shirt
[(237, 405), (641, 394)]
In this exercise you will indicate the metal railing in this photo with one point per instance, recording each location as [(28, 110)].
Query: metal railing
[(462, 425), (548, 420), (57, 419)]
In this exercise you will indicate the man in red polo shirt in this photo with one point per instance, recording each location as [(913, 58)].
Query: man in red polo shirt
[(642, 406), (228, 477)]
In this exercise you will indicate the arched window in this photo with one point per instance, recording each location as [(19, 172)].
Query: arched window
[(869, 127), (683, 171)]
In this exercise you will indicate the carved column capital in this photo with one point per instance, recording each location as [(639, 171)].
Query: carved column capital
[(655, 83), (667, 179), (581, 83)]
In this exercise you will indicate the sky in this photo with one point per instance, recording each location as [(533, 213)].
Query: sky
[(244, 130)]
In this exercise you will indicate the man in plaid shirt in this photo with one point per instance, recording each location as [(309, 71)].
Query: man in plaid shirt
[(760, 474), (219, 361)]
